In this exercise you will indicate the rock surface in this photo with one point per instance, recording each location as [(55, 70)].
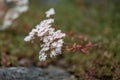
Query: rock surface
[(22, 73)]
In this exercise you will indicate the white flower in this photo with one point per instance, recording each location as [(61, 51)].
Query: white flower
[(51, 40), (44, 27), (50, 12), (58, 43), (22, 2), (53, 53), (28, 38), (42, 56), (61, 41), (7, 23), (58, 50), (58, 34), (21, 9)]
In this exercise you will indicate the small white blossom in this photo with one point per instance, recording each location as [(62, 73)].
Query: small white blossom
[(58, 50), (6, 23), (21, 9), (50, 12), (42, 56), (53, 53), (28, 38), (21, 2), (58, 43)]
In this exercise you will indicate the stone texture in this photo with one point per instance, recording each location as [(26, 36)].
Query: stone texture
[(22, 73)]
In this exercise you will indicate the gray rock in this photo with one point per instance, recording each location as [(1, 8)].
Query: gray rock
[(22, 73)]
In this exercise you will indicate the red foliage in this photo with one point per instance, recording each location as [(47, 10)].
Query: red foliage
[(79, 46)]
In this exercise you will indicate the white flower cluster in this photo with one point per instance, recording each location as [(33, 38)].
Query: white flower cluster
[(14, 13), (50, 12), (52, 41)]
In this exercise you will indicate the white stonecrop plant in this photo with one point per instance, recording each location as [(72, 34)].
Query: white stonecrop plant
[(51, 40)]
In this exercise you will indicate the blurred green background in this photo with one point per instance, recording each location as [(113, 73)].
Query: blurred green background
[(99, 20)]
